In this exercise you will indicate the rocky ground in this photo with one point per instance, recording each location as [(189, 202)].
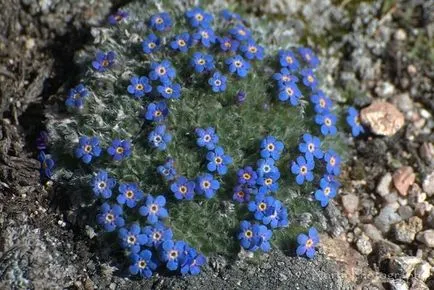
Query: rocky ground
[(381, 228)]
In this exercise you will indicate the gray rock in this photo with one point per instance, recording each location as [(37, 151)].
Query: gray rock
[(383, 187), (422, 271), (428, 184), (426, 237), (364, 246), (430, 219), (372, 232), (350, 202), (405, 231), (386, 218), (403, 266), (397, 284), (417, 284), (403, 102), (405, 212)]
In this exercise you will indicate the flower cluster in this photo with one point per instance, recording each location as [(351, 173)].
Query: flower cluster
[(267, 210)]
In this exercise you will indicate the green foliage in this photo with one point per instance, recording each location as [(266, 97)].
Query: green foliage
[(110, 112)]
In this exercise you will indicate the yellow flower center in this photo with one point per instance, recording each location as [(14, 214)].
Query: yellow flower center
[(240, 194), (109, 217), (247, 176), (270, 147), (268, 181), (248, 233), (332, 161), (183, 189), (289, 59), (142, 264), (311, 147), (169, 91), (120, 150), (201, 61), (217, 82), (131, 239), (310, 79), (327, 121), (309, 243), (303, 170), (322, 103), (152, 45), (238, 63), (326, 191), (154, 208), (173, 254), (206, 184), (105, 63), (162, 70), (129, 194), (204, 34), (87, 148), (253, 49), (102, 184), (156, 236), (262, 206), (181, 42), (158, 113), (218, 160), (289, 91), (159, 20), (139, 87), (199, 17)]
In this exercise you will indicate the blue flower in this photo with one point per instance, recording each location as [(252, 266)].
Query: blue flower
[(157, 234), (309, 79), (207, 138), (218, 161), (268, 182), (353, 119), (323, 104), (254, 237), (269, 211), (142, 264), (309, 57), (284, 77), (307, 244), (332, 180), (130, 194), (247, 176), (117, 17), (217, 82), (287, 59), (271, 148), (102, 184), (160, 21), (162, 71), (206, 185), (119, 149), (240, 32), (192, 262), (154, 209), (47, 165), (303, 169), (241, 194), (87, 149), (228, 44), (311, 148), (42, 140), (183, 188), (103, 61), (333, 162), (252, 51), (327, 122), (266, 166), (326, 192), (202, 62), (229, 15), (197, 17), (76, 96), (132, 238), (139, 86), (172, 253), (167, 170), (289, 92), (205, 36), (159, 138), (170, 90), (240, 97), (238, 65), (151, 44), (110, 217), (156, 112), (181, 42)]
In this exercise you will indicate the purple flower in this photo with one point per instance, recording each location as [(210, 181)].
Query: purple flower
[(88, 148), (241, 194), (247, 176), (156, 112), (103, 61), (117, 17), (76, 97), (228, 44), (139, 86)]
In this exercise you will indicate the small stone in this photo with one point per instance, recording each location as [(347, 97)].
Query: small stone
[(426, 151), (383, 187), (411, 69), (417, 284), (386, 218), (400, 34), (364, 246), (426, 237), (403, 102), (350, 202), (415, 195), (397, 284), (282, 277), (423, 208), (383, 118), (403, 178), (430, 219), (385, 89), (391, 198), (422, 271), (405, 212), (372, 232), (428, 184), (403, 266), (405, 231)]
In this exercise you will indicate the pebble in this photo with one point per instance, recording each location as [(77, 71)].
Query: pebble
[(350, 202), (428, 184), (419, 285), (383, 118), (403, 178), (383, 187), (430, 219), (400, 34), (422, 271), (405, 212), (372, 232), (364, 246), (426, 151), (426, 237), (282, 277), (415, 195), (405, 231), (386, 218), (398, 284), (403, 102), (403, 265), (422, 208), (385, 89)]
